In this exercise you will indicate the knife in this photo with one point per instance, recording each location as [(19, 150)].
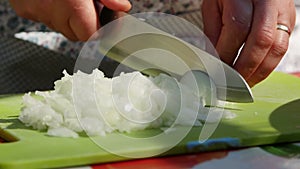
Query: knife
[(133, 42)]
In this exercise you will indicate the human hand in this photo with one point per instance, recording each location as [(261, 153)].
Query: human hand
[(231, 23), (76, 19)]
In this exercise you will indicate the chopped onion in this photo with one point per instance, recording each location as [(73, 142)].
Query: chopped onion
[(97, 105)]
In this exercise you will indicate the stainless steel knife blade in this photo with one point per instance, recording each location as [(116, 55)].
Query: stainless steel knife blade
[(141, 46)]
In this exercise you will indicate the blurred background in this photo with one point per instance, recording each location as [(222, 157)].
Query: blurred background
[(32, 56)]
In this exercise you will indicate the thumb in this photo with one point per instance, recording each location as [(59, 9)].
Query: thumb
[(117, 5)]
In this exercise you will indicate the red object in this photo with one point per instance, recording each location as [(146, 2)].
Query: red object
[(296, 74), (171, 162)]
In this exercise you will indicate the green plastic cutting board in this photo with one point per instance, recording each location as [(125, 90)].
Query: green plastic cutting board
[(274, 117)]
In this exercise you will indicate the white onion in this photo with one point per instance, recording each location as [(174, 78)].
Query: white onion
[(98, 105)]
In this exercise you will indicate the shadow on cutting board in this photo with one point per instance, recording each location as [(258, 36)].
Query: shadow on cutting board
[(286, 118)]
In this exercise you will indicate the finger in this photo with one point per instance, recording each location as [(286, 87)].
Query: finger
[(66, 31), (84, 22), (117, 5), (286, 16), (25, 9), (212, 20), (60, 20), (273, 58), (260, 39), (292, 12), (236, 19)]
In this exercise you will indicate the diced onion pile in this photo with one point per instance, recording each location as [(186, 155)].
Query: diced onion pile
[(98, 105)]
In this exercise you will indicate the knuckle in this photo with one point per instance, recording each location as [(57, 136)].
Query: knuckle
[(265, 38), (279, 49)]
